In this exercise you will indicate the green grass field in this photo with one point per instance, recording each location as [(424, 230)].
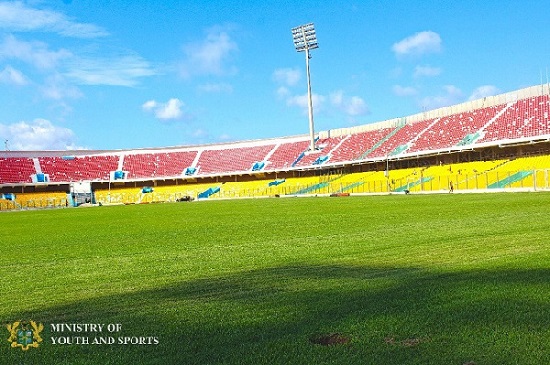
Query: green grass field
[(417, 279)]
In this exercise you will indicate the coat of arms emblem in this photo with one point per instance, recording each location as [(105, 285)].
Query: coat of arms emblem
[(25, 334)]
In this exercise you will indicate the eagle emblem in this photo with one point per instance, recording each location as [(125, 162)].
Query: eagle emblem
[(25, 334)]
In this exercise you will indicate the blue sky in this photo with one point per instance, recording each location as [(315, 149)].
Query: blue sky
[(135, 74)]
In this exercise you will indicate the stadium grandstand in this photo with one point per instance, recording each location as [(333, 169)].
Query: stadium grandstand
[(497, 142)]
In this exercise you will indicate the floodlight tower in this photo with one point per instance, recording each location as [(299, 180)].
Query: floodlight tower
[(305, 39)]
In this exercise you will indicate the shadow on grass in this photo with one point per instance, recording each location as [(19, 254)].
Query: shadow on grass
[(268, 316)]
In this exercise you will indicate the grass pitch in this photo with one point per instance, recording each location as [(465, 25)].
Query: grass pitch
[(435, 279)]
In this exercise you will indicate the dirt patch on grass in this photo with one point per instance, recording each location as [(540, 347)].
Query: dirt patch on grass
[(330, 339)]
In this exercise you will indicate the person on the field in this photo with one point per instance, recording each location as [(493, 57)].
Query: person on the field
[(451, 187)]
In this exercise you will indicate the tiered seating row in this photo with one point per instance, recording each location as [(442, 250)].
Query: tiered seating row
[(16, 170), (162, 164), (468, 175), (85, 168), (357, 144), (403, 136), (231, 159), (285, 154), (526, 118), (323, 146), (449, 131)]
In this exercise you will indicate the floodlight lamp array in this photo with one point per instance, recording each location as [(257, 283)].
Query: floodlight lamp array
[(304, 37)]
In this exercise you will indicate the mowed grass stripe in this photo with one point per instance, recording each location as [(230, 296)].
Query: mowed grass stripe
[(439, 279)]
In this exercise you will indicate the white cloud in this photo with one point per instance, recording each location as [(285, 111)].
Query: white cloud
[(216, 88), (11, 76), (18, 17), (168, 110), (302, 102), (287, 76), (209, 56), (404, 90), (351, 106), (36, 54), (452, 95), (356, 106), (483, 91), (283, 92), (428, 71), (122, 70), (149, 105), (118, 70), (337, 97), (56, 87), (419, 43), (39, 134)]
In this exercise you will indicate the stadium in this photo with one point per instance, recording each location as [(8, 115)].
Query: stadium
[(394, 275), (490, 144), (418, 239)]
